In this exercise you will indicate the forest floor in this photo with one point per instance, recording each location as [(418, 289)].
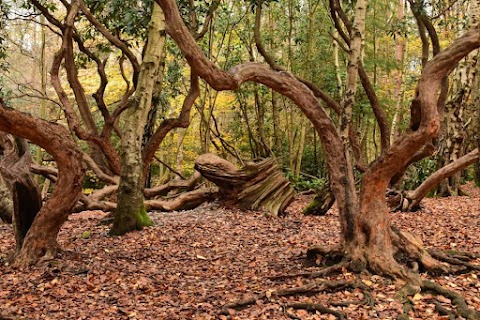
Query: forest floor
[(192, 263)]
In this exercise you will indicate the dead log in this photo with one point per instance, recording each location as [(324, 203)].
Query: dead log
[(321, 203), (18, 185), (256, 186), (185, 201), (164, 189)]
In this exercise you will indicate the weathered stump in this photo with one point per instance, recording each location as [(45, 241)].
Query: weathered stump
[(321, 203), (257, 186)]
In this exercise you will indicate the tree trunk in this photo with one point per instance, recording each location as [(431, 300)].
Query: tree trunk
[(256, 186), (40, 240), (23, 190), (131, 214), (452, 148)]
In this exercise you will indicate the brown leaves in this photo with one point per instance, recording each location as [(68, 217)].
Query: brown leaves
[(192, 263)]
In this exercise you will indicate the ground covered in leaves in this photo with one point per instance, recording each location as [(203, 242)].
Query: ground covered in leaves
[(192, 263)]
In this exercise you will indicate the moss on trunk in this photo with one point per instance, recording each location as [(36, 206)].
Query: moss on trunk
[(131, 216), (321, 203)]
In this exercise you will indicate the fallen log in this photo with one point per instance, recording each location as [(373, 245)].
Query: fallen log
[(321, 203), (257, 185)]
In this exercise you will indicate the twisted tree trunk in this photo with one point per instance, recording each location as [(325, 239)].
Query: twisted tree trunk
[(41, 238)]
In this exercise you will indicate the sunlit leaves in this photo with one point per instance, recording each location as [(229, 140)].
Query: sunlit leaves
[(127, 17)]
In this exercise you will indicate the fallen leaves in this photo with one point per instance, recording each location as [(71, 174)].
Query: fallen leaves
[(192, 263)]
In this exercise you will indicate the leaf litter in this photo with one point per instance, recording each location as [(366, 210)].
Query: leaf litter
[(192, 263)]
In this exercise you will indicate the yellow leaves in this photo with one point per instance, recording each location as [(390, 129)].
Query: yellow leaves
[(367, 282), (417, 297)]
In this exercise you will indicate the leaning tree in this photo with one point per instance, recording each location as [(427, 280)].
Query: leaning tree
[(41, 238), (368, 240)]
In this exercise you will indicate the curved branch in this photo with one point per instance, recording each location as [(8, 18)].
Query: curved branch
[(71, 68), (447, 171), (168, 125), (427, 96), (208, 19), (55, 139), (113, 40)]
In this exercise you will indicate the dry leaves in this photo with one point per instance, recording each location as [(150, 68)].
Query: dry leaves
[(192, 263)]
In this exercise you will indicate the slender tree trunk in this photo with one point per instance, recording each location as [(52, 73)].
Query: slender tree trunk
[(355, 57), (399, 58), (131, 214), (276, 125)]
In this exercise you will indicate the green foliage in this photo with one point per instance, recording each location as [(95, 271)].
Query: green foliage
[(304, 183), (92, 182), (128, 17), (418, 173)]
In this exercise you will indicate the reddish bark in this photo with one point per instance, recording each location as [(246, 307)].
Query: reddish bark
[(40, 240), (365, 223)]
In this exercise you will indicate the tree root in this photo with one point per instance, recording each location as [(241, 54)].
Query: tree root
[(312, 307), (315, 274), (457, 299), (308, 289), (458, 260), (444, 311)]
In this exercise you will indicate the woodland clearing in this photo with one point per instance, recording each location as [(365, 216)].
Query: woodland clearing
[(192, 263)]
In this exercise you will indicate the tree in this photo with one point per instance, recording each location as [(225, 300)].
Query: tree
[(40, 239), (368, 241)]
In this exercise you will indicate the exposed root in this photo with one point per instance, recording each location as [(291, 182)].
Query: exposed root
[(404, 297), (366, 301), (444, 311), (457, 299), (312, 307), (308, 289), (455, 260), (412, 246), (315, 274)]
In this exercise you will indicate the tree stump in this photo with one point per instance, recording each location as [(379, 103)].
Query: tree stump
[(257, 186), (321, 203)]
